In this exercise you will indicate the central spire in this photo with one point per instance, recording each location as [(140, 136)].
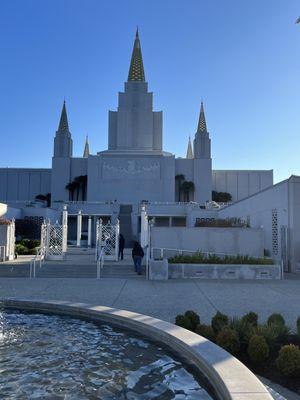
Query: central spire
[(136, 70), (63, 123), (202, 123)]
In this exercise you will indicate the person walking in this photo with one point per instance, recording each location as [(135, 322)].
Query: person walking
[(137, 255), (121, 246)]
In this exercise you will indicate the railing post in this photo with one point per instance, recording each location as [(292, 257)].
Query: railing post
[(117, 233), (89, 231)]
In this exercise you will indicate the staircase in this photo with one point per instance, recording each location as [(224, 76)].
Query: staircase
[(79, 263), (126, 224)]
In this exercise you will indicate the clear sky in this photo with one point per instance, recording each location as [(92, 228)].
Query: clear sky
[(242, 57)]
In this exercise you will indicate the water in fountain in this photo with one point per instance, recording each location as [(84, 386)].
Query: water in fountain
[(54, 357)]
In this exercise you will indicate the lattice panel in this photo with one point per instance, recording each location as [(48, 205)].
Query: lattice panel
[(109, 239), (55, 239), (274, 231)]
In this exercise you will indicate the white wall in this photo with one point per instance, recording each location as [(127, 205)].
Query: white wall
[(216, 240), (284, 198), (241, 184), (23, 184), (9, 212)]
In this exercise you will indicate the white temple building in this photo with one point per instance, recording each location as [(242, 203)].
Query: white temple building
[(136, 169)]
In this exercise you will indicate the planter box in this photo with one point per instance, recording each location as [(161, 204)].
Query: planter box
[(224, 271), (158, 270)]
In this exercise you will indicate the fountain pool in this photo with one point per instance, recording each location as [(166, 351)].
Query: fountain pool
[(61, 357)]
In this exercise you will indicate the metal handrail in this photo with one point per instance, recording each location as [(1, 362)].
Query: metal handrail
[(41, 251), (100, 262)]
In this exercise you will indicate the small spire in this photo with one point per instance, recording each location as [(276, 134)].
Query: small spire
[(189, 152), (202, 123), (86, 151), (136, 70), (63, 123)]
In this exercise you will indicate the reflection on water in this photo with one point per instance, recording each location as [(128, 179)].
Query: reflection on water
[(53, 357)]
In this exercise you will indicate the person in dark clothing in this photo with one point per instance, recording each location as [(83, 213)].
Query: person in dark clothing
[(137, 255), (121, 246)]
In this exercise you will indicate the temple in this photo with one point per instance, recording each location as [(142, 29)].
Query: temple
[(135, 169)]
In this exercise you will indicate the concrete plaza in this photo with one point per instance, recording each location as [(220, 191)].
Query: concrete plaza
[(166, 299)]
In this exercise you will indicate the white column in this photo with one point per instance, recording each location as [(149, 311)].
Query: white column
[(65, 216), (79, 225), (144, 227), (65, 229), (89, 231)]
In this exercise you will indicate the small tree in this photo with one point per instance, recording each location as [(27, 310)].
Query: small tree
[(71, 188), (187, 187), (179, 179), (43, 197), (221, 197)]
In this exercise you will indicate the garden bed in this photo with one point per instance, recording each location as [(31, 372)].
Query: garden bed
[(270, 350), (201, 258)]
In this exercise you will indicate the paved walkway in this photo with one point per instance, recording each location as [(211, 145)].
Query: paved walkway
[(163, 299), (166, 299)]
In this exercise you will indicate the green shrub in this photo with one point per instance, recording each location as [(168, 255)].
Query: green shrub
[(244, 330), (184, 322), (229, 340), (288, 361), (219, 321), (258, 349), (200, 258), (30, 243), (298, 326), (250, 318), (33, 251), (276, 319), (206, 331), (20, 249), (193, 317), (272, 333)]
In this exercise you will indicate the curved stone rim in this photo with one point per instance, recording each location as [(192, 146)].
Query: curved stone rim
[(230, 379)]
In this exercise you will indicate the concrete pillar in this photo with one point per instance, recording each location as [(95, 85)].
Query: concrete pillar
[(89, 231), (79, 227), (65, 229)]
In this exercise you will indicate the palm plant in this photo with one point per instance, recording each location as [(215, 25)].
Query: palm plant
[(71, 188), (48, 199), (179, 179), (188, 188)]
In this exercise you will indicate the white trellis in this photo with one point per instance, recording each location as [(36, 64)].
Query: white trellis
[(107, 240), (54, 240)]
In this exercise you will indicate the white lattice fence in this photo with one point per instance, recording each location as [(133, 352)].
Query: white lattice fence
[(107, 238), (54, 236)]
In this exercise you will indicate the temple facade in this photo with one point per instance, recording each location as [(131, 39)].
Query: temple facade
[(135, 167)]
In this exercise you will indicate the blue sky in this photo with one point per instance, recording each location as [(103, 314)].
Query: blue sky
[(241, 57)]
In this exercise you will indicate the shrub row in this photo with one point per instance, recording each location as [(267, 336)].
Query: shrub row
[(27, 246), (200, 258), (245, 336)]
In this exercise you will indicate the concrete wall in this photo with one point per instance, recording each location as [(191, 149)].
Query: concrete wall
[(216, 240), (130, 179), (258, 210), (241, 184), (282, 200), (23, 184), (9, 212), (46, 213)]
